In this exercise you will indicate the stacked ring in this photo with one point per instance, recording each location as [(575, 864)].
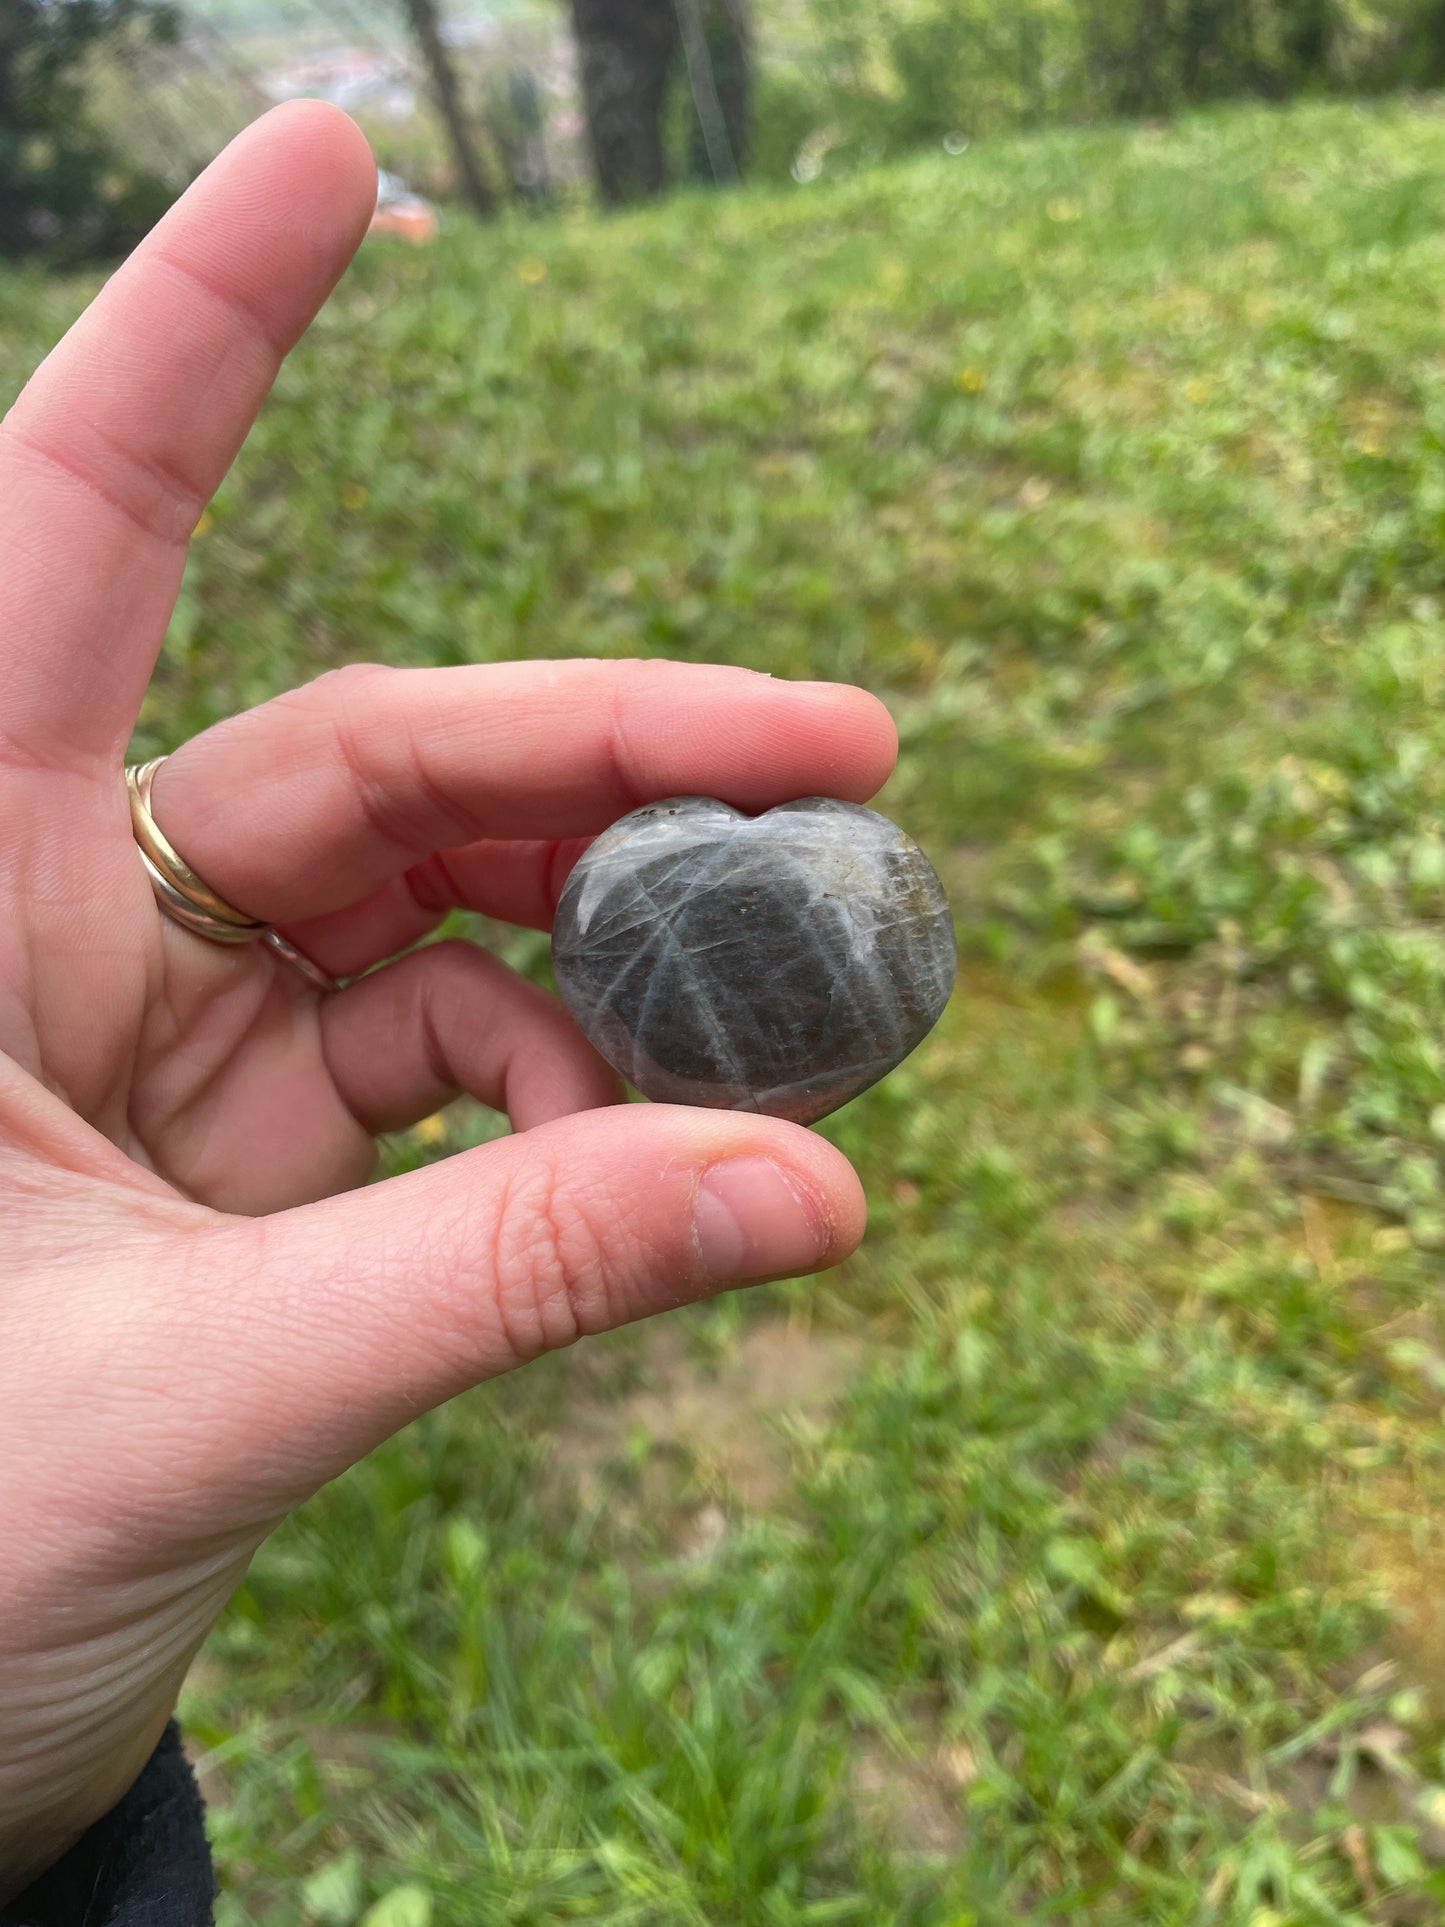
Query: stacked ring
[(191, 902)]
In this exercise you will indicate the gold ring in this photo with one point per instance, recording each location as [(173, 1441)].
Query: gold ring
[(191, 902)]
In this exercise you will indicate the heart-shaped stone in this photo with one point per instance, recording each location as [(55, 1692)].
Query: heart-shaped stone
[(779, 963)]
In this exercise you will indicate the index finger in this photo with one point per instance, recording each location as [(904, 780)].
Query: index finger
[(306, 804), (123, 433)]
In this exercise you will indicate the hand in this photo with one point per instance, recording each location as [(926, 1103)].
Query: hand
[(201, 1321)]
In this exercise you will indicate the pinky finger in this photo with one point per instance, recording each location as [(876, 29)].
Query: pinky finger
[(450, 1020)]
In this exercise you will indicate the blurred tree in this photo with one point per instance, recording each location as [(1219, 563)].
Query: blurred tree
[(426, 26), (866, 78), (62, 187), (514, 115), (625, 51), (1309, 36), (628, 51), (1142, 90), (716, 44), (1425, 52)]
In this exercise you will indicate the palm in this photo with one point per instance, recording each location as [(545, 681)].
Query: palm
[(202, 1064), (231, 1099)]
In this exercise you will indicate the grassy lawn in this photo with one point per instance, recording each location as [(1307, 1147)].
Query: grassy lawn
[(1078, 1552)]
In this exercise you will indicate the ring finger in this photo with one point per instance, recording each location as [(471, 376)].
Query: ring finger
[(514, 882)]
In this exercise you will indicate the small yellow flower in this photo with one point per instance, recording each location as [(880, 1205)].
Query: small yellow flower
[(202, 525), (530, 273), (353, 496), (969, 380), (1197, 391), (431, 1130)]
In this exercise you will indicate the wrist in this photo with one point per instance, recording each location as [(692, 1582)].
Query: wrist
[(145, 1858), (49, 1819)]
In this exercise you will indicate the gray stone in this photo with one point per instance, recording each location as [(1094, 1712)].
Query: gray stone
[(779, 963)]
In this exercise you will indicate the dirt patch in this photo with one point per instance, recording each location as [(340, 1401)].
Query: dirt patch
[(1401, 1525), (1065, 989), (917, 1805), (730, 1417)]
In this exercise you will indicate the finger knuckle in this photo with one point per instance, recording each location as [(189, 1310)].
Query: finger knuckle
[(556, 1269), (345, 678)]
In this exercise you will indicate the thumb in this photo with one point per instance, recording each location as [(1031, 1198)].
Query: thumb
[(364, 1310)]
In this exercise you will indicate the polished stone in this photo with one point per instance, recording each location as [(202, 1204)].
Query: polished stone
[(779, 963)]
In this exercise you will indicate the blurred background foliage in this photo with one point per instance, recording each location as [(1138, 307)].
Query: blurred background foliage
[(65, 184), (1078, 1551), (109, 106), (887, 78)]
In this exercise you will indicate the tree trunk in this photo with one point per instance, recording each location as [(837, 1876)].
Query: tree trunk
[(12, 25), (425, 25), (1031, 69), (1221, 50), (625, 50), (1142, 91), (14, 228), (1200, 42), (733, 69), (1098, 55), (714, 161), (1309, 38), (717, 45)]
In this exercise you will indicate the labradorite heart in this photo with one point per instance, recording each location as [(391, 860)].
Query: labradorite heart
[(778, 963)]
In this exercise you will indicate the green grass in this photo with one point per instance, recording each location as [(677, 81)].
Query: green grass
[(1104, 1578)]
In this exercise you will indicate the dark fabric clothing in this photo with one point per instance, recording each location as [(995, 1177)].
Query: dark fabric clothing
[(146, 1864)]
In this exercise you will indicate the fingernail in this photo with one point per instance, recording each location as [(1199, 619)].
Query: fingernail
[(751, 1220)]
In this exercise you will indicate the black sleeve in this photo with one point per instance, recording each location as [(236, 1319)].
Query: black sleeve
[(146, 1864)]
